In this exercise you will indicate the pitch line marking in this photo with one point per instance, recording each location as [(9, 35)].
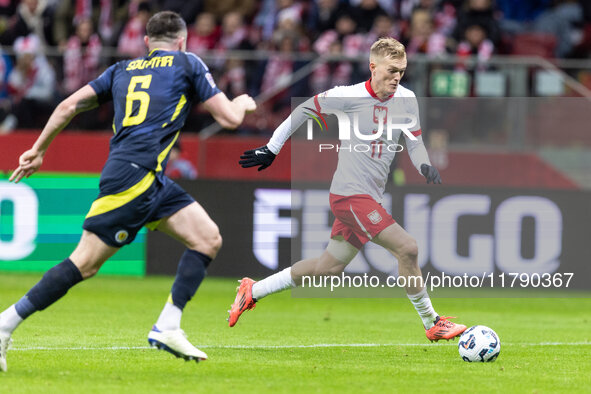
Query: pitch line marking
[(318, 345)]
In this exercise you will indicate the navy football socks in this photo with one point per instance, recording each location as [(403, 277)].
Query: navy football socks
[(54, 285), (190, 274)]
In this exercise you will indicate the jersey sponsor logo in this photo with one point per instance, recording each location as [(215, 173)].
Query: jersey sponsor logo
[(209, 79), (159, 61), (374, 216), (121, 236)]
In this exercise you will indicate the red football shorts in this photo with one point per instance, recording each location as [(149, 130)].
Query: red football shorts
[(359, 218)]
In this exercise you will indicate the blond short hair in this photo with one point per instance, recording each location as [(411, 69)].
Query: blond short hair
[(387, 47)]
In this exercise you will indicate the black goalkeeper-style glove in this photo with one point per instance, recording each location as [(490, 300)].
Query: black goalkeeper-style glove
[(261, 156), (430, 173)]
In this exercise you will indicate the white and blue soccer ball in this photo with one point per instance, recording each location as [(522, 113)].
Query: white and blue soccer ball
[(479, 344)]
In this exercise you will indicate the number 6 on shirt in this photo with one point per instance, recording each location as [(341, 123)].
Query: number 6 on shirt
[(143, 97)]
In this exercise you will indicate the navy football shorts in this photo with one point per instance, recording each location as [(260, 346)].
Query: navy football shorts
[(130, 197)]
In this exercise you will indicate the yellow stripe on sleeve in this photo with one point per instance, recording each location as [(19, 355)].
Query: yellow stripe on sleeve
[(179, 107)]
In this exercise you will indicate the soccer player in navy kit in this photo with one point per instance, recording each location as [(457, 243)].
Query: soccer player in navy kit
[(152, 97)]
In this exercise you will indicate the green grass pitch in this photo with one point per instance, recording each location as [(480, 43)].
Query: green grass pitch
[(95, 341)]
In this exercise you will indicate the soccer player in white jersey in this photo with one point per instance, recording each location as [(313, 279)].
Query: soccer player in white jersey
[(357, 187)]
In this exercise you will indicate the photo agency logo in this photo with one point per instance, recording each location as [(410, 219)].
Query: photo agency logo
[(369, 130)]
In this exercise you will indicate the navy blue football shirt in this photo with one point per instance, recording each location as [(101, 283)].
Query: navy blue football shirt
[(152, 97)]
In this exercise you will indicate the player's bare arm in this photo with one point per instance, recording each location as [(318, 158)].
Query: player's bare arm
[(229, 113), (30, 161)]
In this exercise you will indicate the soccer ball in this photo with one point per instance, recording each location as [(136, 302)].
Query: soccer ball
[(479, 344)]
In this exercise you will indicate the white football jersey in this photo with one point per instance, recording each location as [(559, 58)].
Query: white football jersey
[(374, 127), (364, 161)]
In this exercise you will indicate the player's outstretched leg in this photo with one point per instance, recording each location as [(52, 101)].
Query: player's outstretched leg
[(55, 283), (166, 334), (404, 247), (249, 291), (201, 236), (82, 264)]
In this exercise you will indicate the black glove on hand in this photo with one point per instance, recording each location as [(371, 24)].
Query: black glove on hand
[(430, 173), (261, 156)]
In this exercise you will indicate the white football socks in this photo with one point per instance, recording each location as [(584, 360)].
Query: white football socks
[(422, 304), (9, 320), (272, 284), (170, 317)]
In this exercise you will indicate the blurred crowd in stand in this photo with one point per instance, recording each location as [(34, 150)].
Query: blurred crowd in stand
[(85, 36)]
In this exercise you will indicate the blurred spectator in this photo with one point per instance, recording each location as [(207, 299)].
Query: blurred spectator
[(279, 68), (222, 7), (31, 83), (344, 32), (82, 57), (178, 166), (108, 16), (264, 20), (111, 19), (267, 17), (234, 36), (443, 12), (516, 16), (445, 17), (422, 38), (323, 16), (32, 17), (341, 41), (68, 12), (383, 26), (476, 43), (204, 34), (276, 76), (289, 20), (233, 80), (481, 13), (365, 13), (332, 73), (131, 41), (234, 32), (562, 21)]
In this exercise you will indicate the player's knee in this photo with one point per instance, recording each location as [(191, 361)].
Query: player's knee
[(216, 242), (210, 244), (328, 268), (87, 270), (409, 251), (336, 269), (89, 273)]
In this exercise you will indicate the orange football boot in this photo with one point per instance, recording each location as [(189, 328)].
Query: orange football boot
[(444, 329), (243, 301)]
